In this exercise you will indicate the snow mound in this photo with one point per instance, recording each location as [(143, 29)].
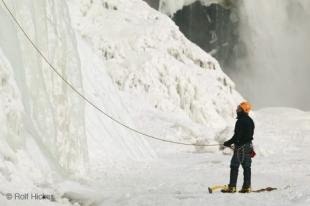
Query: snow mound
[(157, 69), (170, 7)]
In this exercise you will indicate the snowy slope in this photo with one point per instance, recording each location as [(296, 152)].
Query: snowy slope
[(163, 77), (108, 143)]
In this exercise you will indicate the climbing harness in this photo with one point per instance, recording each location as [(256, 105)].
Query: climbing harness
[(239, 150)]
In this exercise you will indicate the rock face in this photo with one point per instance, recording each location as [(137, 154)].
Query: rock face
[(211, 28)]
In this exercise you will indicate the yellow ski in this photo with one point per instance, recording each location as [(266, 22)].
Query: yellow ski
[(216, 187), (220, 187)]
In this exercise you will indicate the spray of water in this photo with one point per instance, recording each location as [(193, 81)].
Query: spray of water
[(274, 70)]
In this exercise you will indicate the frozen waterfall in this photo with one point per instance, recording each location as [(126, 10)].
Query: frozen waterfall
[(262, 45), (275, 69), (48, 110)]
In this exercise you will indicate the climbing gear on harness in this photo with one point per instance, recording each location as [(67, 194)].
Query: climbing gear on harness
[(239, 150)]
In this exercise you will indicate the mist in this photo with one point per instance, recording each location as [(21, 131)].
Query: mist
[(262, 45), (273, 69)]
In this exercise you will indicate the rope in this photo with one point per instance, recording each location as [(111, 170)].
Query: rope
[(86, 99)]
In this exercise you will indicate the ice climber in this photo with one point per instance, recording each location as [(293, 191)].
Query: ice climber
[(243, 149)]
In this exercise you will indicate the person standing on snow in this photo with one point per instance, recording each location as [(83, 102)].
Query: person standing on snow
[(243, 149)]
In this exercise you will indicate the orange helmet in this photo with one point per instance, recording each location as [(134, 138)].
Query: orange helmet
[(245, 106)]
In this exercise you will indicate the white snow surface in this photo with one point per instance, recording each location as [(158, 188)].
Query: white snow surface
[(281, 142), (170, 7), (162, 76), (133, 63)]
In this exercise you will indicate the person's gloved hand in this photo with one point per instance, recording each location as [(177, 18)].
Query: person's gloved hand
[(252, 153), (226, 144)]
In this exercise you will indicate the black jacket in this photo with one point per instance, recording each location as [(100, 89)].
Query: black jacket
[(244, 130)]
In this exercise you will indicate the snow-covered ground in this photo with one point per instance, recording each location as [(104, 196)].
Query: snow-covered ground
[(133, 63), (281, 141), (182, 178)]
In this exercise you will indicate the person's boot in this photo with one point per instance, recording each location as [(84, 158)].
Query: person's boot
[(245, 189), (229, 189)]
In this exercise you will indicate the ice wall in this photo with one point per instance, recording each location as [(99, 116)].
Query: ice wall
[(42, 112), (47, 109)]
